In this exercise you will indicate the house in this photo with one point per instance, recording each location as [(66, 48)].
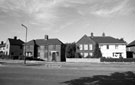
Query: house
[(49, 49), (2, 48), (131, 49), (110, 47), (14, 47)]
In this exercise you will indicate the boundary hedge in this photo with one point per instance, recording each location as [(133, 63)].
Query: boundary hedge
[(117, 59)]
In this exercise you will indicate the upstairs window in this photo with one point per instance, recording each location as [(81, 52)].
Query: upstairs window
[(81, 47), (85, 47), (90, 47), (107, 46)]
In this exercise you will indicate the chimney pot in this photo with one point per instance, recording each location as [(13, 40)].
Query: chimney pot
[(46, 37), (92, 35), (15, 37), (2, 42), (103, 34)]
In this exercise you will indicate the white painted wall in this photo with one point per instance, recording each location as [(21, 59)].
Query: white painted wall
[(7, 47), (108, 53), (92, 60)]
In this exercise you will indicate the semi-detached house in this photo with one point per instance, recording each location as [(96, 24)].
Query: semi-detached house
[(49, 49), (110, 47)]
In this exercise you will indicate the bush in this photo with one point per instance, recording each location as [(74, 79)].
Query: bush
[(103, 59), (78, 55), (32, 58), (5, 57)]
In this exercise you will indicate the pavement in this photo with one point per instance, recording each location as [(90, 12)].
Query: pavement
[(66, 65)]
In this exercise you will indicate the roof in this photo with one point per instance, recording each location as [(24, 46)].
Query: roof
[(15, 41), (131, 44), (2, 45), (107, 39), (45, 42)]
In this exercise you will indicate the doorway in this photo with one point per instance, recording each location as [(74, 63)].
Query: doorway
[(54, 56)]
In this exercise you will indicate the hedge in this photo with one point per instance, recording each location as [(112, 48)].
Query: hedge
[(117, 59)]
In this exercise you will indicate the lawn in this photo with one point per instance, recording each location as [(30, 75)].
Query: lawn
[(68, 74)]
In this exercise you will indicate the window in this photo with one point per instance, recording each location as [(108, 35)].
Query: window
[(21, 47), (107, 46), (7, 46), (46, 47), (90, 47), (117, 54), (81, 47), (85, 47), (91, 54), (38, 54), (85, 55), (57, 53), (81, 54), (12, 53)]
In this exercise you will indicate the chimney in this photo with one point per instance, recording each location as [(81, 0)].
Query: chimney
[(92, 35), (15, 37), (2, 42), (103, 34), (46, 37)]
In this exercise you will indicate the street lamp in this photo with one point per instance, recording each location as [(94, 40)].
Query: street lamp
[(25, 42)]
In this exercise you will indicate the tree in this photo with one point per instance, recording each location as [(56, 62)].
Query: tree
[(97, 52), (70, 50)]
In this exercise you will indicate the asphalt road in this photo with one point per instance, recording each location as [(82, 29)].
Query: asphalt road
[(44, 75)]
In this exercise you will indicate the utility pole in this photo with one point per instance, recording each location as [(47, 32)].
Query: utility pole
[(25, 42)]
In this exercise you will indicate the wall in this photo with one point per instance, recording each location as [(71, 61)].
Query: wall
[(83, 60), (51, 49), (29, 48), (7, 47), (16, 50), (85, 41), (112, 49)]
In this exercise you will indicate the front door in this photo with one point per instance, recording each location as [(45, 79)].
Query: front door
[(54, 56)]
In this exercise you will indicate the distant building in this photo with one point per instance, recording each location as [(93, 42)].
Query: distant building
[(2, 48), (14, 47), (48, 49), (131, 49), (110, 47)]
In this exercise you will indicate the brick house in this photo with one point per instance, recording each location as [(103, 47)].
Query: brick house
[(131, 49), (46, 49), (110, 47), (14, 47)]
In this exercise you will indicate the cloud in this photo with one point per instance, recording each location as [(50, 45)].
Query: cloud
[(120, 8), (56, 14)]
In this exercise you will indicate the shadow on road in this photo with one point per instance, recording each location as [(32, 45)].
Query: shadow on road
[(125, 78)]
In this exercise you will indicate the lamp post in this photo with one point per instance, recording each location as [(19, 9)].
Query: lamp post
[(25, 42)]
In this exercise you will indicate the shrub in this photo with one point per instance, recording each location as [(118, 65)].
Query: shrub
[(103, 59), (78, 55)]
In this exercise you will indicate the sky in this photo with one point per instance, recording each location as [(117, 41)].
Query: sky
[(67, 20)]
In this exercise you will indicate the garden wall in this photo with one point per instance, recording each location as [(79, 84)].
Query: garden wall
[(93, 60)]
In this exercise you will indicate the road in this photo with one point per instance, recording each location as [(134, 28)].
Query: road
[(44, 75)]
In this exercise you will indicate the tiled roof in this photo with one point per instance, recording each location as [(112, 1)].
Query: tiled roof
[(45, 42), (15, 41), (106, 39), (32, 42), (131, 44)]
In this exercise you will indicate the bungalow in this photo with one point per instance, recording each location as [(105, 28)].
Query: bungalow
[(131, 49), (46, 49), (110, 47), (14, 47)]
